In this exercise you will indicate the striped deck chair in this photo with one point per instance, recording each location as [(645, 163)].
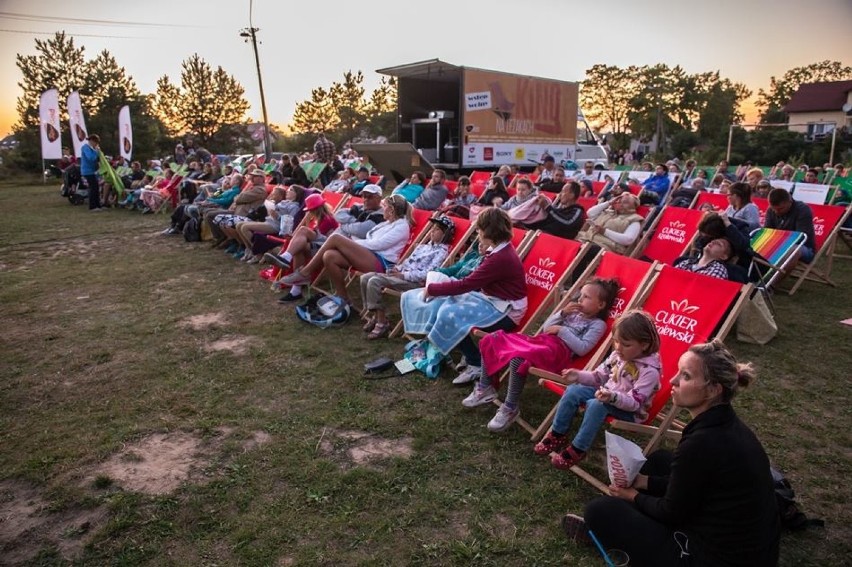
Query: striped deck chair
[(688, 308), (670, 236), (632, 275), (828, 227), (774, 252)]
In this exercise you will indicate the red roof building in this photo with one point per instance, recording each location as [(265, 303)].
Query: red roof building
[(818, 108)]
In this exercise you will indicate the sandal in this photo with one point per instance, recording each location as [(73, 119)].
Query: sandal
[(368, 326), (380, 331), (568, 458)]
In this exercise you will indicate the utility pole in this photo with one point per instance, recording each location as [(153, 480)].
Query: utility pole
[(250, 33)]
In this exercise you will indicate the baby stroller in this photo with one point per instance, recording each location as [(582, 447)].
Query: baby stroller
[(74, 186)]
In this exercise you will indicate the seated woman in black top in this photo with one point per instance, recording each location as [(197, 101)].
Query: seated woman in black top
[(711, 502)]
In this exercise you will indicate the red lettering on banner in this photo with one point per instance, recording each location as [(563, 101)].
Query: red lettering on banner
[(540, 102)]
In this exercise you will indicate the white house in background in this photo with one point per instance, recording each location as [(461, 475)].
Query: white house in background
[(818, 108)]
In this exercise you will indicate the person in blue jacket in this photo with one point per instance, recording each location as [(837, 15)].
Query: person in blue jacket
[(89, 165), (654, 188)]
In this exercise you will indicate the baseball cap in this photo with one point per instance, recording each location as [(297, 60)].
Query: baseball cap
[(372, 188), (258, 173), (549, 158), (313, 202)]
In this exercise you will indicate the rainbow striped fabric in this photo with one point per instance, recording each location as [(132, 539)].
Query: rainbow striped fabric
[(776, 245)]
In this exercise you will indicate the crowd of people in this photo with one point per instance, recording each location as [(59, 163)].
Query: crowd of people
[(710, 500)]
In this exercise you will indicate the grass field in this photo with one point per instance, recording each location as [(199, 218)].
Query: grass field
[(158, 407)]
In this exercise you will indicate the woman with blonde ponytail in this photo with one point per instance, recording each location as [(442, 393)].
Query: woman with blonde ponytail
[(711, 502)]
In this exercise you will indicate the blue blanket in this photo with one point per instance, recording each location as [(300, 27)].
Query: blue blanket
[(447, 320)]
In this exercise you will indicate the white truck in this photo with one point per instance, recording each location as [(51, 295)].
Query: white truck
[(461, 118)]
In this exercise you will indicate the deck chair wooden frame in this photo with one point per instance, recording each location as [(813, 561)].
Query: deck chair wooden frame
[(828, 228), (673, 299), (670, 235), (605, 265)]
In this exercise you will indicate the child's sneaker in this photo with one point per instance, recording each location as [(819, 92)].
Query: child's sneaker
[(470, 374), (575, 528), (567, 458), (551, 443), (504, 418), (480, 396)]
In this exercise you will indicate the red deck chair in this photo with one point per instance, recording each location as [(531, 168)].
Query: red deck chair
[(718, 201), (828, 222), (333, 199), (688, 308), (673, 232), (533, 177), (598, 186), (632, 275), (451, 185), (762, 206)]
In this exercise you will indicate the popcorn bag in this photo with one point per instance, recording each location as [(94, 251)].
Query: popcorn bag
[(624, 459)]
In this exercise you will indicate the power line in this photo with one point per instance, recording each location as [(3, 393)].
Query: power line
[(74, 34), (86, 21)]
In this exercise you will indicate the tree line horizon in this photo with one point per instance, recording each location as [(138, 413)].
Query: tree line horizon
[(689, 113)]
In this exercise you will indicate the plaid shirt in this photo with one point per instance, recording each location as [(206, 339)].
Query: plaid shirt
[(324, 148), (714, 269)]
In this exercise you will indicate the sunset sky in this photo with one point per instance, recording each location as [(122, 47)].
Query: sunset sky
[(304, 48)]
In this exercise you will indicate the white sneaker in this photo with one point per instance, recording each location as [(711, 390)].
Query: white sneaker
[(462, 364), (503, 419), (480, 396), (470, 374)]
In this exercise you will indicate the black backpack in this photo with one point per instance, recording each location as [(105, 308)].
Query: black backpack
[(192, 230), (792, 518)]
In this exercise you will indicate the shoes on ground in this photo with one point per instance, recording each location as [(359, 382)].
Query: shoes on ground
[(470, 374), (480, 396)]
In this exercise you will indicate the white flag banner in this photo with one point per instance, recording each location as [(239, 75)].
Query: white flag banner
[(125, 133), (78, 123), (48, 112)]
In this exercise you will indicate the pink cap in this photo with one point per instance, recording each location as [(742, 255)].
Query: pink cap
[(313, 202)]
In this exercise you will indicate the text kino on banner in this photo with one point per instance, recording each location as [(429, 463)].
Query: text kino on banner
[(48, 112), (77, 122), (125, 133)]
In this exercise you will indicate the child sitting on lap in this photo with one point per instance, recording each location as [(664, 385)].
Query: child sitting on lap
[(573, 331), (623, 386)]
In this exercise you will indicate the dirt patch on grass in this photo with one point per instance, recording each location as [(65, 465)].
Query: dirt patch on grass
[(359, 448), (205, 321), (159, 463), (234, 344), (27, 525), (156, 464)]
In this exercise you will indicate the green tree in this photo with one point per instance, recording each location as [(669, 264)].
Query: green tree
[(657, 109), (343, 112), (316, 114), (348, 101), (104, 88), (381, 109), (772, 101), (207, 104), (606, 94), (721, 107)]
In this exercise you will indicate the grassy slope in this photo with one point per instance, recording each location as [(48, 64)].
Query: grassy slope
[(81, 377)]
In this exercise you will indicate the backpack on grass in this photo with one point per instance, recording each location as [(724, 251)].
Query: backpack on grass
[(792, 518), (324, 311), (192, 230)]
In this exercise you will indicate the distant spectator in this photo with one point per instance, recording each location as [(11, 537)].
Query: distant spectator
[(785, 213), (324, 150), (740, 206), (554, 184), (434, 193), (565, 217)]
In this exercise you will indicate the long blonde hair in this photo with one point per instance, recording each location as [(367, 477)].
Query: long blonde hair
[(401, 208)]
